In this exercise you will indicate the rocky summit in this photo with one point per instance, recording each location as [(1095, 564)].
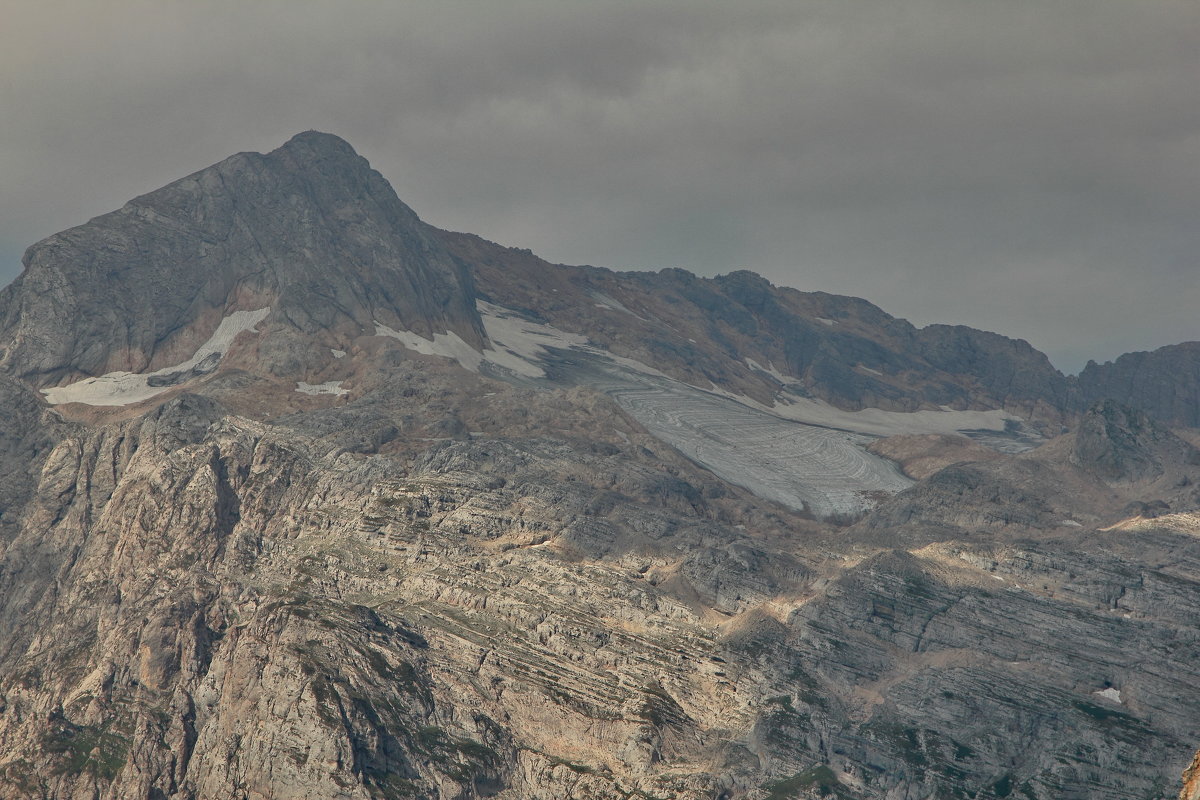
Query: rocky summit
[(301, 497)]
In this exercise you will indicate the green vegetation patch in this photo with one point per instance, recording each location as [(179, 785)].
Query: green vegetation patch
[(581, 769), (819, 779), (460, 758), (85, 748)]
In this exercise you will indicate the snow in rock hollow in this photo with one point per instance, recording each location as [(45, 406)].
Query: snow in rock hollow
[(123, 388), (448, 345), (328, 387)]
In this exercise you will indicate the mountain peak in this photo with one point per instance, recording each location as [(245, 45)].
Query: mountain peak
[(322, 154), (308, 229), (318, 141)]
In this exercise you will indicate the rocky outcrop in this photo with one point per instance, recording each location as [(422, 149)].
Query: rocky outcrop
[(1164, 383), (922, 456), (308, 229), (1119, 443), (1011, 370), (1191, 780), (26, 435), (743, 334)]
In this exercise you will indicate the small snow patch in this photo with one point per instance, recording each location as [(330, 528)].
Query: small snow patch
[(338, 353), (328, 387), (826, 321), (611, 303), (770, 370), (1110, 694)]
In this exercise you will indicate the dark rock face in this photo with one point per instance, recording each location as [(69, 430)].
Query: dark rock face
[(26, 435), (1120, 443), (309, 228), (1164, 383), (844, 350), (841, 349), (1010, 369)]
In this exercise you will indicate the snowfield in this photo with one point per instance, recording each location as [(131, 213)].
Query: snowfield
[(123, 388), (828, 471), (449, 345), (801, 452)]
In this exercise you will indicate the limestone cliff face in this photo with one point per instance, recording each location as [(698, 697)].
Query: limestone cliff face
[(1191, 780), (342, 564), (201, 605)]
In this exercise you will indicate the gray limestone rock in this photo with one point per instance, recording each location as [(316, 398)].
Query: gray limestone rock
[(1164, 383), (1120, 443), (308, 229)]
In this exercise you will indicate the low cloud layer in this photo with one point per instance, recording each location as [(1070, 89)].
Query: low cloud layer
[(1027, 167)]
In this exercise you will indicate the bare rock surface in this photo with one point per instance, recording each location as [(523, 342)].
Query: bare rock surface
[(922, 455), (1164, 383), (477, 566), (1120, 443), (308, 229)]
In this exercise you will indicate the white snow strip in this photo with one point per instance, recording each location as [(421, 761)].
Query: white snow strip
[(1110, 694), (328, 387), (449, 345), (613, 304), (770, 370), (123, 388), (826, 321), (878, 422), (338, 353), (518, 344)]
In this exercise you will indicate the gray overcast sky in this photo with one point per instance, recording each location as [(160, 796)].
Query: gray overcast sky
[(1029, 167)]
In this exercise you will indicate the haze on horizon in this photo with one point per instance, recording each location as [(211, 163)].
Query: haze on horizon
[(1030, 167)]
